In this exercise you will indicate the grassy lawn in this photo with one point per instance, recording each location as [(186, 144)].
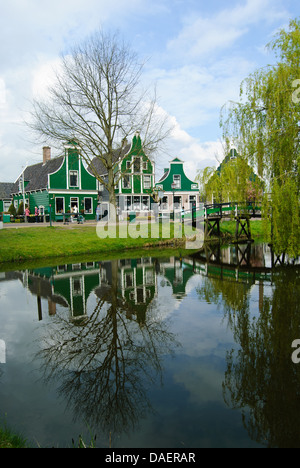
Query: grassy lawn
[(228, 227), (50, 242), (34, 243)]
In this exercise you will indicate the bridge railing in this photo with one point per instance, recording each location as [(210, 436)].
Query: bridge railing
[(232, 209)]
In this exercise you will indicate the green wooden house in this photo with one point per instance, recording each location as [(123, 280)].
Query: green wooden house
[(134, 176), (178, 190), (58, 185)]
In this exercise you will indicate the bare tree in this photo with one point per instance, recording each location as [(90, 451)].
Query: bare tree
[(97, 99)]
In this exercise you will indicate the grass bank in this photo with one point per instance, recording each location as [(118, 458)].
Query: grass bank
[(9, 439), (32, 243)]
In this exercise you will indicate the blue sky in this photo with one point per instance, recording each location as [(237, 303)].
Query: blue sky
[(198, 53)]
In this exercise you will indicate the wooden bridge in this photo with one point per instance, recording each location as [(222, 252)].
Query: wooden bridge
[(212, 214)]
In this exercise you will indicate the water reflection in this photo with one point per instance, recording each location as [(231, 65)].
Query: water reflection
[(261, 380), (106, 358), (104, 334)]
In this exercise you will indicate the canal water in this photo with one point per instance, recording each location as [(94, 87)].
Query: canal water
[(155, 352)]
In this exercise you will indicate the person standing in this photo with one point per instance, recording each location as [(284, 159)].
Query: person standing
[(75, 211), (98, 212), (27, 214)]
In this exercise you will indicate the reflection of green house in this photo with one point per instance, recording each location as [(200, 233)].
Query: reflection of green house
[(58, 185), (137, 286), (178, 275), (71, 285)]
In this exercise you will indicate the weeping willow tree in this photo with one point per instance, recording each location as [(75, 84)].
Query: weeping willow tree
[(233, 181), (264, 127)]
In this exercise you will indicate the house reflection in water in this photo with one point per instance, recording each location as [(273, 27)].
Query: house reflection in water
[(131, 281), (70, 286)]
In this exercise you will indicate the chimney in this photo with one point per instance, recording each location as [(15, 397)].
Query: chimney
[(46, 154)]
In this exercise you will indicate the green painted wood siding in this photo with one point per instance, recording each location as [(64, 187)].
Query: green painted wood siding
[(88, 181), (187, 185), (38, 199), (60, 180), (136, 174)]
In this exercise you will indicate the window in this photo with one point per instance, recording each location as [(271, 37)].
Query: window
[(145, 165), (177, 181), (126, 182), (137, 203), (41, 210), (59, 205), (177, 202), (6, 205), (137, 165), (128, 203), (128, 165), (147, 182), (73, 178), (128, 280), (145, 203), (165, 203), (88, 206), (77, 286)]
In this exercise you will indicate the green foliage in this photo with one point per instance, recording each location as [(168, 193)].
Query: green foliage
[(12, 210), (20, 209), (9, 439), (234, 181), (264, 126)]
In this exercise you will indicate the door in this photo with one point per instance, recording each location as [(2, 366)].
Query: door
[(74, 203)]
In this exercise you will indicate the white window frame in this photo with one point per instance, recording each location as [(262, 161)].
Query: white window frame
[(74, 199), (77, 180), (143, 206), (137, 160), (88, 198), (147, 185), (64, 201), (165, 204), (100, 186), (178, 181), (129, 182), (136, 205), (6, 205)]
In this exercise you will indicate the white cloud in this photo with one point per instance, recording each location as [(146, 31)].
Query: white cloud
[(2, 93), (202, 36), (196, 154), (43, 76)]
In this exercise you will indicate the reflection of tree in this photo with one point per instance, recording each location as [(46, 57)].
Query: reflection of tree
[(261, 378), (229, 295), (106, 363)]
